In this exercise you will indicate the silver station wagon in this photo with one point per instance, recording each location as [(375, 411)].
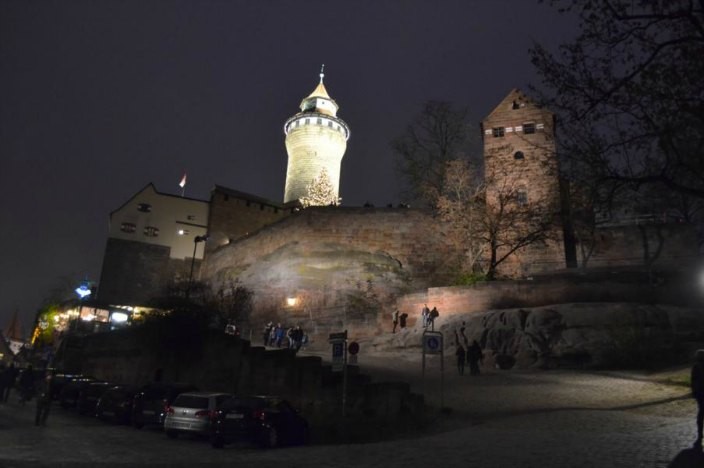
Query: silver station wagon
[(190, 412)]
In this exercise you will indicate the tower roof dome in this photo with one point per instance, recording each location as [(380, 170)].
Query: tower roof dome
[(319, 100)]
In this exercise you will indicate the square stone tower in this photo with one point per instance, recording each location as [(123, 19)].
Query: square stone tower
[(521, 165)]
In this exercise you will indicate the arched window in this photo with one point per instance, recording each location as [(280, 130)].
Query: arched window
[(518, 155)]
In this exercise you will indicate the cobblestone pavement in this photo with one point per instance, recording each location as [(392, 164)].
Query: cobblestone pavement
[(497, 420)]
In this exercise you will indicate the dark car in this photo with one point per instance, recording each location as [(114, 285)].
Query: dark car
[(71, 390), (61, 379), (264, 420), (152, 400), (89, 395), (115, 404)]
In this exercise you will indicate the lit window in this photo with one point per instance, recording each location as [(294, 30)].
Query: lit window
[(518, 155), (498, 131), (183, 232), (528, 128), (144, 207), (151, 231), (128, 227)]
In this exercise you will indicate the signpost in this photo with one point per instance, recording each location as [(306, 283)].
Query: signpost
[(433, 343), (339, 361), (352, 350)]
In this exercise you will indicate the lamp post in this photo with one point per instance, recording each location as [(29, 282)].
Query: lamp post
[(193, 261), (83, 291)]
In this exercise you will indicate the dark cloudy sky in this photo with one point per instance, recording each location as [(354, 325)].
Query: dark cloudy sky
[(99, 98)]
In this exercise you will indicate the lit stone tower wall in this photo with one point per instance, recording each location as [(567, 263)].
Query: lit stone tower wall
[(520, 157), (316, 140)]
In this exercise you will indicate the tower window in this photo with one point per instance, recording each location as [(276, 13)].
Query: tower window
[(144, 207), (528, 128), (329, 124), (307, 122), (516, 105), (128, 227), (522, 197), (518, 155), (320, 121), (498, 131)]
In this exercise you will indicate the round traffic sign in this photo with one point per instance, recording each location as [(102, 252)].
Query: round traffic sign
[(353, 348)]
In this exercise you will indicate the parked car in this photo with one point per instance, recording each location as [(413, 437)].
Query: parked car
[(115, 404), (89, 395), (191, 412), (61, 379), (267, 421), (70, 391), (152, 400)]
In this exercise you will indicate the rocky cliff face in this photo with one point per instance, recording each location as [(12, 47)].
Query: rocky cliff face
[(622, 335)]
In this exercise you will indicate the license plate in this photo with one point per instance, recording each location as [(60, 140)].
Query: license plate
[(234, 416), (148, 411)]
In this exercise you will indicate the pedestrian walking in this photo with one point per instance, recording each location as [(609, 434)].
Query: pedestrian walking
[(266, 333), (464, 337), (698, 392), (394, 319), (424, 315), (474, 357), (44, 399), (461, 357), (10, 377), (402, 320), (432, 316)]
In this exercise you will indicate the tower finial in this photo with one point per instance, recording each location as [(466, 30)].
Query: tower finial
[(322, 72)]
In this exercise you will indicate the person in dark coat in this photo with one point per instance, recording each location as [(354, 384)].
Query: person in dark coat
[(10, 375), (698, 392), (474, 357), (461, 357), (26, 384), (44, 399)]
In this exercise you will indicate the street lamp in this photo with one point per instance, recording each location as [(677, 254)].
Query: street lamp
[(193, 261)]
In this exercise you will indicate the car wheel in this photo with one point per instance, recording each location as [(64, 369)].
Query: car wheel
[(171, 434), (217, 442)]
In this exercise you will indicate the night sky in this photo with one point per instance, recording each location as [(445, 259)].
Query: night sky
[(99, 98)]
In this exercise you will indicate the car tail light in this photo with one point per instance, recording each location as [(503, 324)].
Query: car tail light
[(259, 414), (168, 410)]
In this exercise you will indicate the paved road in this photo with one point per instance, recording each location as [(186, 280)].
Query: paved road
[(498, 420)]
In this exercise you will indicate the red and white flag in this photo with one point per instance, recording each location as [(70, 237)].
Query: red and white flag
[(182, 184)]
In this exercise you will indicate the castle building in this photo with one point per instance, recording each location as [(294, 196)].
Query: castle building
[(154, 239), (521, 166), (316, 140)]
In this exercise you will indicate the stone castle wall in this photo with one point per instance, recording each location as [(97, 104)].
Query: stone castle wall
[(137, 272), (338, 266), (233, 217)]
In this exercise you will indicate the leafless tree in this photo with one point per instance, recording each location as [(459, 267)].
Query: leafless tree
[(629, 93), (440, 133)]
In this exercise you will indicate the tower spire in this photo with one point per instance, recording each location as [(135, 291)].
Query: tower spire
[(322, 73)]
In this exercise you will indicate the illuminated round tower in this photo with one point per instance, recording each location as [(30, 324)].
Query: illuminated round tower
[(316, 140)]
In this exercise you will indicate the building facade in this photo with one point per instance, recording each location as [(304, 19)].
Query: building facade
[(522, 176), (154, 239)]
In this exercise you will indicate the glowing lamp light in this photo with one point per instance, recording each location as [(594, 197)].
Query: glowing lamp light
[(291, 301), (83, 290), (119, 317), (88, 318)]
